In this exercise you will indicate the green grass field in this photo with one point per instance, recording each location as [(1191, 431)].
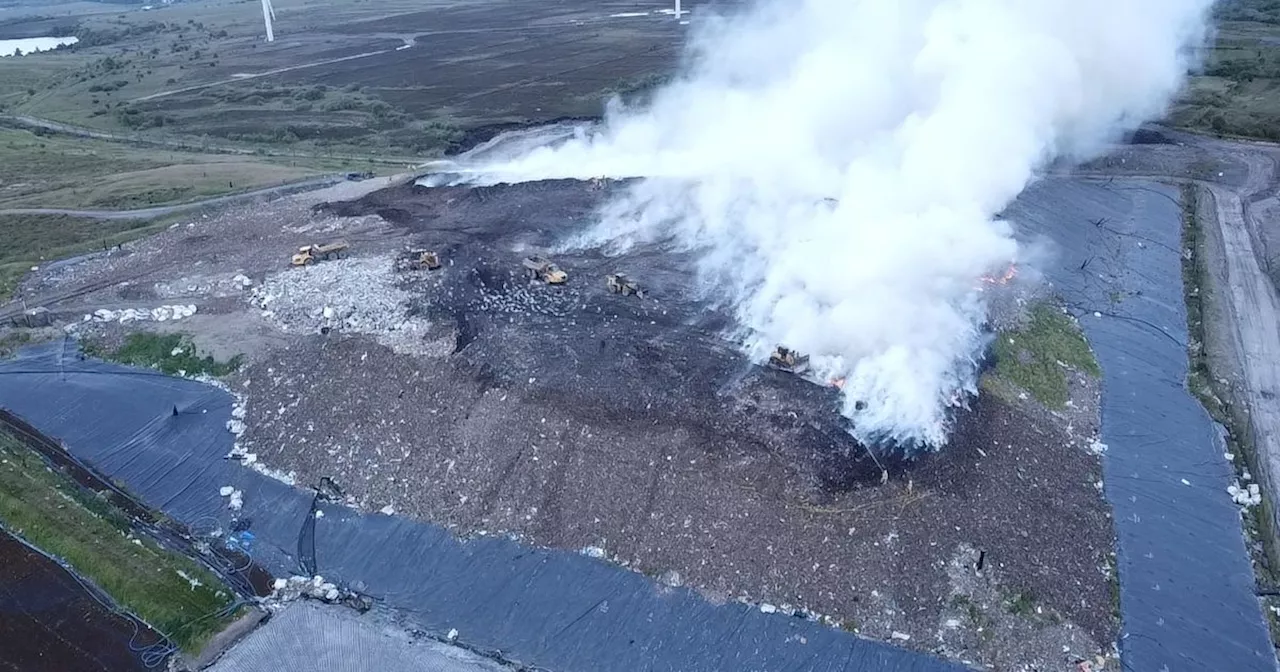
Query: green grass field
[(1237, 90), (170, 353), (50, 512), (203, 59), (55, 170)]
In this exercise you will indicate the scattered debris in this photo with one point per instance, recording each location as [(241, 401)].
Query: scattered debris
[(316, 588), (195, 583), (235, 498)]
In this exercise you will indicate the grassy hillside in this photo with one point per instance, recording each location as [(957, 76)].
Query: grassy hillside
[(1237, 90)]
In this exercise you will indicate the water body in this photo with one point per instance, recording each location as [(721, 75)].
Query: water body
[(30, 45)]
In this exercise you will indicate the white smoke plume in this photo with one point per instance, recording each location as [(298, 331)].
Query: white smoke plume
[(840, 162)]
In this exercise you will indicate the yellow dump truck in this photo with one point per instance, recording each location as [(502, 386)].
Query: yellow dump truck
[(309, 254), (541, 268)]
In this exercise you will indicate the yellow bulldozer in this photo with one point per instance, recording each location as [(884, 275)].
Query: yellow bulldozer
[(309, 254), (619, 283), (427, 259), (787, 359), (541, 268)]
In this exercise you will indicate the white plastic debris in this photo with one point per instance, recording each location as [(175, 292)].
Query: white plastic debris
[(387, 510), (1097, 447), (195, 583), (226, 490), (1245, 496), (1186, 482), (235, 427), (902, 636), (453, 634), (766, 608), (158, 314), (237, 501), (593, 552)]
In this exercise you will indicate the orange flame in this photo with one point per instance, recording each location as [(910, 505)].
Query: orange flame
[(1009, 275)]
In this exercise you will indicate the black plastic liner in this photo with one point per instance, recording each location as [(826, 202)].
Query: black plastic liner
[(1186, 584)]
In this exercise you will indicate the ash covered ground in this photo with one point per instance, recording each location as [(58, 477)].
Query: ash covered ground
[(630, 427)]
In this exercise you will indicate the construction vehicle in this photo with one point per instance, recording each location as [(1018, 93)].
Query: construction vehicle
[(541, 268), (788, 360), (308, 254), (619, 283), (427, 259)]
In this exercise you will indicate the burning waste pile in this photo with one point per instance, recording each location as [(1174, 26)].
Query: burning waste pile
[(358, 295), (840, 165)]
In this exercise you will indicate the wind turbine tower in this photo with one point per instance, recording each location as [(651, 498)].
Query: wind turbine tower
[(269, 14)]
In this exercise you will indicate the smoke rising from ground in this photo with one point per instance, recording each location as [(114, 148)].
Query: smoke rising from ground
[(840, 162)]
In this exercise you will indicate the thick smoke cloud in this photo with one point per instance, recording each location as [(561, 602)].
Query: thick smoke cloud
[(839, 162)]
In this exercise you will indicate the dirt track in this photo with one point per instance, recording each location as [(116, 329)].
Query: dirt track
[(164, 210)]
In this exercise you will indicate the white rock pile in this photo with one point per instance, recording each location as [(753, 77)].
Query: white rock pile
[(159, 314), (295, 587), (358, 295)]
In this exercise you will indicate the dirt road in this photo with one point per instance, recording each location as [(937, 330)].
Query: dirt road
[(188, 144), (163, 210), (1253, 333)]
